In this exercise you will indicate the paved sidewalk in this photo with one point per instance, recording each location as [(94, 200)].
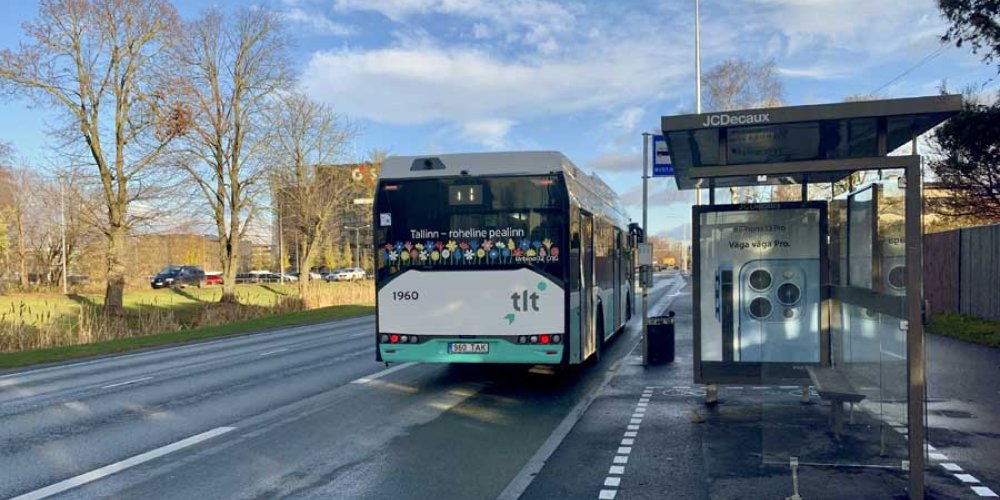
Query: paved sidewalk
[(648, 435)]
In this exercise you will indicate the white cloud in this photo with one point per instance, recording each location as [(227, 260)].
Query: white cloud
[(815, 72), (536, 23), (617, 162), (628, 119), (317, 22), (427, 83), (491, 133), (876, 27)]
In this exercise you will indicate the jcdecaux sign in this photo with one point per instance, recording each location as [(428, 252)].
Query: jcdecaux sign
[(725, 120)]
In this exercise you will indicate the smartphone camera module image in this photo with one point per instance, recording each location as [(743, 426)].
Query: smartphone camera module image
[(779, 310), (894, 274)]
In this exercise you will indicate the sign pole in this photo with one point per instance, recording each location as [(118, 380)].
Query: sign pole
[(645, 229)]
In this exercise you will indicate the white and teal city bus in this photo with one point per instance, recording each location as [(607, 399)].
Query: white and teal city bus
[(516, 257)]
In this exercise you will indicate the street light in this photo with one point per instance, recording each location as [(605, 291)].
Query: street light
[(357, 241)]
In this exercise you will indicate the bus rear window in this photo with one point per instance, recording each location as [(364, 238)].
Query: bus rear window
[(449, 223)]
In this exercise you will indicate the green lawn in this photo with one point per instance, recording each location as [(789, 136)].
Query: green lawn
[(52, 355), (979, 331), (36, 309)]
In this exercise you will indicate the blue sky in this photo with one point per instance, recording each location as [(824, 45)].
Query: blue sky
[(585, 78)]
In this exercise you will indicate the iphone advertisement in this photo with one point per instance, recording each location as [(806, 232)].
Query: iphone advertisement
[(760, 277)]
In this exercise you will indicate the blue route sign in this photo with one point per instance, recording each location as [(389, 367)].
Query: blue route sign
[(662, 166)]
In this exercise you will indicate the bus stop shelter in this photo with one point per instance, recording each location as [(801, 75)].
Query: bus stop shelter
[(824, 290)]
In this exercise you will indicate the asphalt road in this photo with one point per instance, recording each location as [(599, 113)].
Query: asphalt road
[(302, 412)]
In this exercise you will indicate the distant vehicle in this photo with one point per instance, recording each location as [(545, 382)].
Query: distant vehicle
[(263, 277), (349, 274), (178, 277), (516, 257), (213, 278)]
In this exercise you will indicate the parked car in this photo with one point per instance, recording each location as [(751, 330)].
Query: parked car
[(178, 277), (213, 278), (349, 274)]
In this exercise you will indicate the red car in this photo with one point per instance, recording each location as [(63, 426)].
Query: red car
[(213, 279)]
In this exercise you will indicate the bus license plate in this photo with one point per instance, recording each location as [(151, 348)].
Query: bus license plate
[(468, 348)]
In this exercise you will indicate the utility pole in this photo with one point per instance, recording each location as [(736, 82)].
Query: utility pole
[(697, 78), (357, 241), (646, 233), (281, 246), (62, 228)]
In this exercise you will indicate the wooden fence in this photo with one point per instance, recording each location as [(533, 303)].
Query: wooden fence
[(962, 271)]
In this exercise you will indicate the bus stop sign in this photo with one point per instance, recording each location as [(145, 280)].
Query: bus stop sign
[(662, 165)]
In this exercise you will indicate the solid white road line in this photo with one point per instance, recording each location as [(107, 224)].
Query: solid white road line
[(276, 351), (107, 470), (534, 465), (127, 382), (378, 375)]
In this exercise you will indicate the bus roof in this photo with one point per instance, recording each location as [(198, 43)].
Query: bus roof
[(589, 190)]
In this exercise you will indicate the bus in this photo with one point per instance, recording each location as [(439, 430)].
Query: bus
[(507, 257)]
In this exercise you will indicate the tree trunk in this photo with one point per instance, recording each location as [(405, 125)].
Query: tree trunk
[(22, 252), (227, 254), (308, 255), (115, 291)]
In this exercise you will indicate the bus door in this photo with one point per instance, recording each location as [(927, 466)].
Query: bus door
[(587, 320), (616, 307)]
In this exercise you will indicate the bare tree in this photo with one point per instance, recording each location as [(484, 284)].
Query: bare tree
[(741, 84), (237, 66), (309, 137), (97, 63)]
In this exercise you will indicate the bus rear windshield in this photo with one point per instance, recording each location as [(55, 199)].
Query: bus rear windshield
[(471, 223)]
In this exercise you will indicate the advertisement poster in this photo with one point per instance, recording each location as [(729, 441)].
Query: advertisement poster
[(760, 283)]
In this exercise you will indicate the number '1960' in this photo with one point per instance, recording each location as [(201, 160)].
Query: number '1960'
[(414, 295)]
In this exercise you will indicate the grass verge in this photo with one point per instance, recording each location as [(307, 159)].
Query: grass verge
[(977, 331), (56, 354)]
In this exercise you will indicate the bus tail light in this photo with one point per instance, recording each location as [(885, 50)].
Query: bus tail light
[(414, 339), (385, 338), (394, 339), (544, 339)]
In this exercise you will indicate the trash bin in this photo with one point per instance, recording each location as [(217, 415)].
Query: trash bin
[(660, 336)]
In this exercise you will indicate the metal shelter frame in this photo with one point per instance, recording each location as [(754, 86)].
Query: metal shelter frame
[(692, 142)]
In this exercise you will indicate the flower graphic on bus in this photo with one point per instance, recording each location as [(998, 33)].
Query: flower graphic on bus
[(491, 251)]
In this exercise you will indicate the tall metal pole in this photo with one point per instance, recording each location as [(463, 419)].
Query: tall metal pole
[(281, 246), (697, 77), (357, 247), (62, 227), (645, 229)]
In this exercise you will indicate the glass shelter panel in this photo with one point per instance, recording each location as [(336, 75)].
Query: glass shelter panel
[(855, 410)]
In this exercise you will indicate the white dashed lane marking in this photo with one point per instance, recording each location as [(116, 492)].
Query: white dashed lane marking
[(984, 491), (127, 382), (614, 480)]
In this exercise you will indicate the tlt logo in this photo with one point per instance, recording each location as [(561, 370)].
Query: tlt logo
[(520, 301)]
